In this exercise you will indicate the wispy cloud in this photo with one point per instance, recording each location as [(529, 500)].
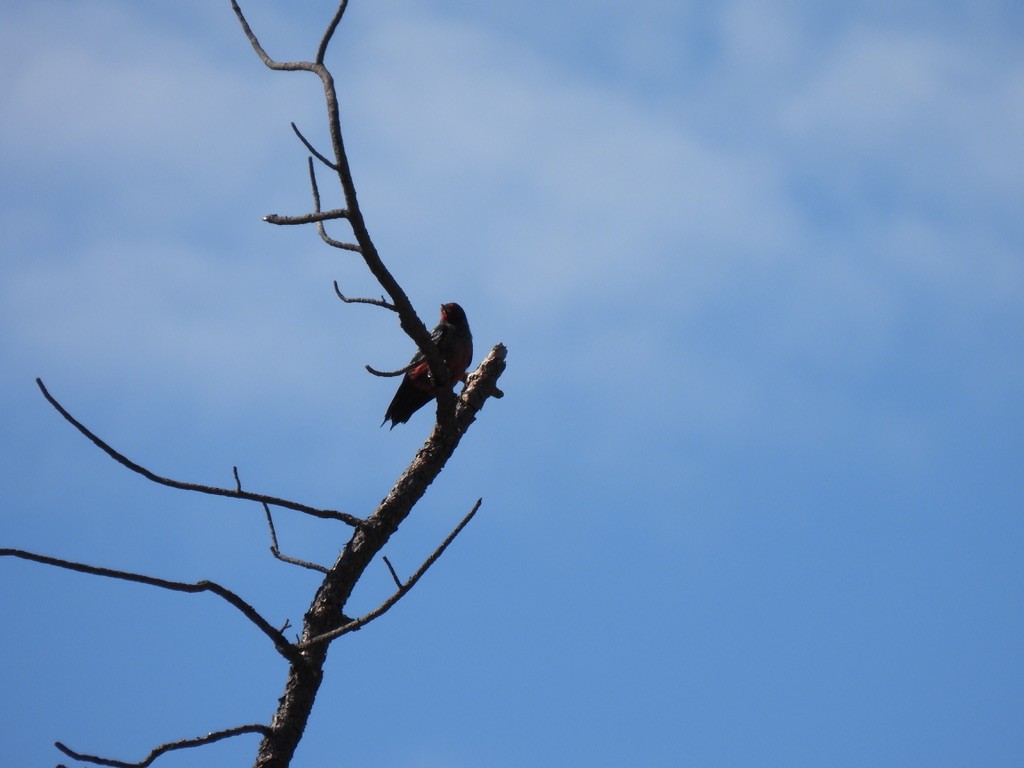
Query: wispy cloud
[(792, 216)]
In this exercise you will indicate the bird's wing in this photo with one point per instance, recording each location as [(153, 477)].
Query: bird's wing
[(439, 333)]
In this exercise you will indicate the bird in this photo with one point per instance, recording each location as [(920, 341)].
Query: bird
[(455, 343)]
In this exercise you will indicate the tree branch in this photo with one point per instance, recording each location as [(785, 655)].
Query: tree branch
[(274, 550), (285, 648), (313, 150), (381, 302), (209, 738), (327, 514), (307, 218), (329, 33), (289, 66), (316, 209), (409, 320), (326, 613), (325, 617), (403, 589), (394, 576)]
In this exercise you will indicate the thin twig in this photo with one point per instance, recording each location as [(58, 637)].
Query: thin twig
[(398, 582), (306, 218), (409, 320), (329, 33), (307, 66), (313, 150), (381, 302), (327, 514), (325, 618), (316, 209), (313, 185), (296, 561), (336, 243), (285, 648), (403, 589), (274, 550), (209, 738)]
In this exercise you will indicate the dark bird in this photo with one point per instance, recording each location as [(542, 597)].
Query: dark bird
[(455, 343)]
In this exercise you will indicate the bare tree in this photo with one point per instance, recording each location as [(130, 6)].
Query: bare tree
[(325, 620)]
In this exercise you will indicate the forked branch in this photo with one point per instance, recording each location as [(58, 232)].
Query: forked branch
[(288, 66), (319, 222), (409, 320), (403, 588), (274, 549)]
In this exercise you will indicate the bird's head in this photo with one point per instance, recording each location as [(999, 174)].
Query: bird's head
[(453, 313)]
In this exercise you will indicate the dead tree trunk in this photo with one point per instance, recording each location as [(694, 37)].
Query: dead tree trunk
[(324, 621), (437, 370)]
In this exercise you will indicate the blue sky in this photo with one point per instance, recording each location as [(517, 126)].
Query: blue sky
[(754, 496)]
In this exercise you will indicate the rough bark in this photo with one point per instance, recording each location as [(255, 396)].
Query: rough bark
[(326, 611)]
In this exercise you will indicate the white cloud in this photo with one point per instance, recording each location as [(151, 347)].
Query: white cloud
[(586, 190), (555, 200), (782, 242), (100, 98), (925, 110), (145, 313), (877, 89), (131, 248)]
